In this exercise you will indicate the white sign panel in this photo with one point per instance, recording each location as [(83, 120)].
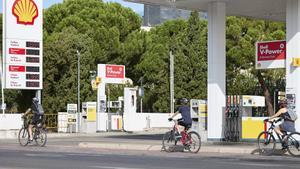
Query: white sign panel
[(23, 47)]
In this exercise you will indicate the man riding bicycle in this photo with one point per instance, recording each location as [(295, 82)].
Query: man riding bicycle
[(288, 125), (38, 114), (184, 110)]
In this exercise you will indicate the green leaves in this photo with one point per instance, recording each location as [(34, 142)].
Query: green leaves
[(102, 32)]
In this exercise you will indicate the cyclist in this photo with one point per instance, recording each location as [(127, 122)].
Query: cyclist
[(184, 110), (38, 112), (288, 125)]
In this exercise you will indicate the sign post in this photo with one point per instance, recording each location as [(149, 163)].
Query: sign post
[(113, 74)]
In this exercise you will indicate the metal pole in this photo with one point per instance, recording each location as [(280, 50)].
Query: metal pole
[(2, 56), (2, 88), (78, 91), (141, 95), (2, 91), (171, 82), (38, 94)]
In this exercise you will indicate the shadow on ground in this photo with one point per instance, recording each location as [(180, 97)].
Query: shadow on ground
[(139, 137)]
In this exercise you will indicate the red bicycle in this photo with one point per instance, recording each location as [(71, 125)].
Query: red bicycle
[(190, 140)]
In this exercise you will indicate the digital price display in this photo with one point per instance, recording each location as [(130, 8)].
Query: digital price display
[(32, 60), (32, 69), (32, 44), (32, 76), (32, 84), (32, 52)]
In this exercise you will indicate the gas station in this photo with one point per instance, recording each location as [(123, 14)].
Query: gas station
[(96, 119), (287, 11)]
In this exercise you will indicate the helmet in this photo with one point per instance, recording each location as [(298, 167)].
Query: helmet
[(283, 103), (35, 100), (184, 101)]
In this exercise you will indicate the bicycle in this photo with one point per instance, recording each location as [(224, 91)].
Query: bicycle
[(191, 141), (39, 133), (267, 142)]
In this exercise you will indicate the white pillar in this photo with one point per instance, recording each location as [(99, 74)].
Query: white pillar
[(216, 69), (293, 51)]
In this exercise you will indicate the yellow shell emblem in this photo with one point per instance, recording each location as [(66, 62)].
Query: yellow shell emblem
[(25, 11)]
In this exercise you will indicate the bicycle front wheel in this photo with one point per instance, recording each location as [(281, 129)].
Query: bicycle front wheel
[(41, 137), (293, 144), (169, 141), (266, 143), (23, 137), (194, 142)]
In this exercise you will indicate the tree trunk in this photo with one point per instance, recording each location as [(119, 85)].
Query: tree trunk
[(266, 94)]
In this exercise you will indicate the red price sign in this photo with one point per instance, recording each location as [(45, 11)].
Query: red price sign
[(115, 71)]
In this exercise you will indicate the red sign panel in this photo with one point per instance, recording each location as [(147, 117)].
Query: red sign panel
[(115, 71), (267, 51), (17, 51), (17, 68)]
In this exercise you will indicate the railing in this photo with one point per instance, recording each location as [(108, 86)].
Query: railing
[(51, 121)]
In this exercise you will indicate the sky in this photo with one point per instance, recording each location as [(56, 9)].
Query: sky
[(138, 8)]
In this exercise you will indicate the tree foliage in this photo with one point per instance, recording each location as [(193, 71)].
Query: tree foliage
[(187, 41), (109, 33)]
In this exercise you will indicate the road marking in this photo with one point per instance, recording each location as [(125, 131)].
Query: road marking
[(108, 167), (254, 164), (44, 155), (85, 154)]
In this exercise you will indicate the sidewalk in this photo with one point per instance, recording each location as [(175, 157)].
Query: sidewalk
[(237, 148), (146, 141)]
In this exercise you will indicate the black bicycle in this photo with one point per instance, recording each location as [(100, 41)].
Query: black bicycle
[(267, 143), (39, 133), (191, 140)]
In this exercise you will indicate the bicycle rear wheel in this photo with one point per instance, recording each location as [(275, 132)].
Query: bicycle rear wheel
[(23, 137), (41, 137), (194, 142), (169, 141), (293, 144), (266, 143)]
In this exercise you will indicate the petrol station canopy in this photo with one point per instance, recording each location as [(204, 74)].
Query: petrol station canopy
[(263, 9)]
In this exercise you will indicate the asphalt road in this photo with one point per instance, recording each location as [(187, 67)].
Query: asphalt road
[(39, 159), (63, 156)]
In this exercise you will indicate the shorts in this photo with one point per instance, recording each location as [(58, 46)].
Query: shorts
[(288, 126), (36, 119), (184, 124)]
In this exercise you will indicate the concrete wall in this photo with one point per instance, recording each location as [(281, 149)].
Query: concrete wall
[(10, 125), (10, 121), (142, 121)]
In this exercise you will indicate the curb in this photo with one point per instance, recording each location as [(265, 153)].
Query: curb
[(120, 146), (204, 148)]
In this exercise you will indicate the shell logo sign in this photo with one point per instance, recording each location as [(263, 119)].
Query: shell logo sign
[(26, 11)]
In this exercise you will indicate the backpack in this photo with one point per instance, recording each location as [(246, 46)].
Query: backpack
[(39, 108), (292, 115)]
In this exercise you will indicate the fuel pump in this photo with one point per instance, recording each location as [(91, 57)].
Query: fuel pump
[(232, 119)]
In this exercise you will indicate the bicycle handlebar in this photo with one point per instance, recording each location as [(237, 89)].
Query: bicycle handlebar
[(275, 121)]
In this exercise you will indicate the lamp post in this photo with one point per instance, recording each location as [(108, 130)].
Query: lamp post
[(78, 91), (141, 93)]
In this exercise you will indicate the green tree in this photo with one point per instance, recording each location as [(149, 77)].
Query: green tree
[(242, 77), (187, 41), (102, 32)]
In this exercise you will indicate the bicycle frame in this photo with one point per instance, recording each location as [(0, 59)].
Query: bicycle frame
[(183, 133), (271, 131)]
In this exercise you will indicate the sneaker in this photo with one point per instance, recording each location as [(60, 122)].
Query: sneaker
[(187, 146), (284, 137), (30, 140), (177, 136), (284, 142)]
